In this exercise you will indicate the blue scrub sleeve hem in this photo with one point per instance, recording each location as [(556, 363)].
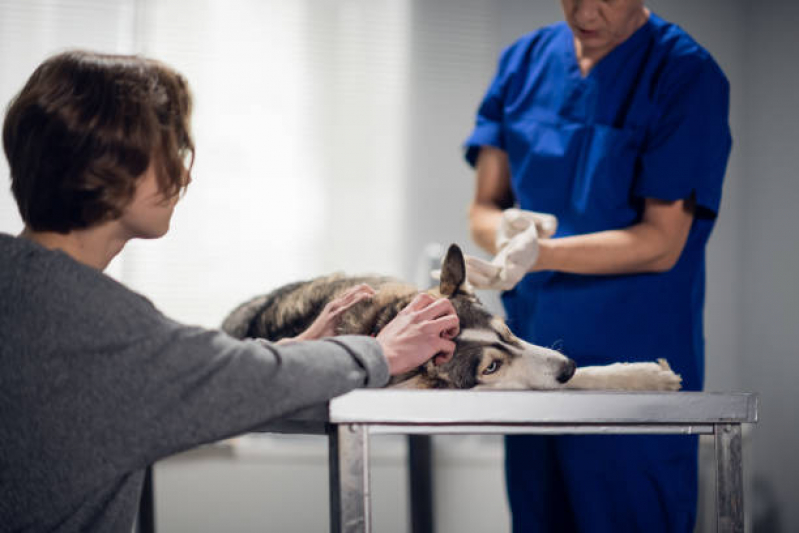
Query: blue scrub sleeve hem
[(689, 151), (707, 205), (706, 188), (485, 134)]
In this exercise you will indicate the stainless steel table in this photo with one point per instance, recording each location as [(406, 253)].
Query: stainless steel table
[(350, 419)]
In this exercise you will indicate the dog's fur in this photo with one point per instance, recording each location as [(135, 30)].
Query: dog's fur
[(487, 354)]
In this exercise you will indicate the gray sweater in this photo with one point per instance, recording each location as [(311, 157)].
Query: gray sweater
[(96, 384)]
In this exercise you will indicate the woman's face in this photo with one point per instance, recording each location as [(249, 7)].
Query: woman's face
[(601, 25), (147, 216)]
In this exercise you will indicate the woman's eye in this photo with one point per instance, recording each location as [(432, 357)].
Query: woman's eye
[(493, 367)]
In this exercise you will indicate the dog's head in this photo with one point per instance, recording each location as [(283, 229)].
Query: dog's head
[(487, 353)]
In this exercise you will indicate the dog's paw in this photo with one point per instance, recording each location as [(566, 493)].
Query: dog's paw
[(670, 379), (653, 376), (626, 376)]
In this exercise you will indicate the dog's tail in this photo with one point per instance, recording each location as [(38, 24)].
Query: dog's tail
[(249, 320), (237, 323)]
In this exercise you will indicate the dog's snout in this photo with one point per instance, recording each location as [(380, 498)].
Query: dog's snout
[(567, 371)]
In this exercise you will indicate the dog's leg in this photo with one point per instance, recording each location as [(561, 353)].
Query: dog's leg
[(626, 376)]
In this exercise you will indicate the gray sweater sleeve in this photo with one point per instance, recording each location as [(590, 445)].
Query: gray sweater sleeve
[(85, 360), (190, 386)]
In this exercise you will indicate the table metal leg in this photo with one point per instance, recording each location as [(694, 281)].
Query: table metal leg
[(420, 481), (145, 521), (349, 479), (729, 478)]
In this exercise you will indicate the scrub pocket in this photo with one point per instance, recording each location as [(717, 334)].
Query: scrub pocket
[(543, 157), (606, 168), (571, 166)]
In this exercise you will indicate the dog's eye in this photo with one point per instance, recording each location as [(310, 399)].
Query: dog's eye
[(493, 367)]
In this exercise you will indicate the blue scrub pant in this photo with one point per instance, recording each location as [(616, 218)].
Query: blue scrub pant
[(602, 483)]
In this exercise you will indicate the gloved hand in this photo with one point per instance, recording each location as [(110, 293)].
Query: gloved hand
[(514, 221), (508, 267), (517, 241)]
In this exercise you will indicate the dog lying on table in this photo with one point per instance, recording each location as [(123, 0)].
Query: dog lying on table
[(487, 354)]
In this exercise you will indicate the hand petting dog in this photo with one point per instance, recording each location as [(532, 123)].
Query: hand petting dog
[(422, 330), (326, 323)]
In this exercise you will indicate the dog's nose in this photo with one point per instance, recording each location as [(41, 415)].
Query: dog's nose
[(567, 371)]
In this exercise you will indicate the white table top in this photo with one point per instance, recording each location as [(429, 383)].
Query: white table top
[(436, 408)]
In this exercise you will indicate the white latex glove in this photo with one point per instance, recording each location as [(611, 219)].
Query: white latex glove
[(514, 221), (509, 266)]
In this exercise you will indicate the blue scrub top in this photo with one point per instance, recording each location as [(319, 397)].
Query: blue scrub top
[(649, 121)]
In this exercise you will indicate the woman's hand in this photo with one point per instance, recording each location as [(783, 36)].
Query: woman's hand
[(326, 323), (423, 329)]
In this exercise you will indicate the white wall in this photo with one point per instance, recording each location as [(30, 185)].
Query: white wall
[(453, 51), (769, 252)]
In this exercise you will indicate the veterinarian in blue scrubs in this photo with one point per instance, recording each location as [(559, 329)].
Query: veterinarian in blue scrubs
[(615, 122)]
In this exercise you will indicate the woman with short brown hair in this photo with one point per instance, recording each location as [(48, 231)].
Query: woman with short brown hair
[(95, 383)]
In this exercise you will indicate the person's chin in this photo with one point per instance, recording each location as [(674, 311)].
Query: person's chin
[(163, 231), (596, 46), (592, 40), (155, 233)]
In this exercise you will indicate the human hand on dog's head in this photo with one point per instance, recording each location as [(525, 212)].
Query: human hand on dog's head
[(424, 329)]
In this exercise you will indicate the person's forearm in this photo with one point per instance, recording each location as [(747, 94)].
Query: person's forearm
[(483, 222), (492, 195), (637, 249)]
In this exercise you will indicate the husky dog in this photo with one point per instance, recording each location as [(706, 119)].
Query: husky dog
[(487, 354)]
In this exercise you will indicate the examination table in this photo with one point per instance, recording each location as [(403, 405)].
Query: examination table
[(349, 420)]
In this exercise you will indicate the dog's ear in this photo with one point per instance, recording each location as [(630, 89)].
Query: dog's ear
[(453, 272)]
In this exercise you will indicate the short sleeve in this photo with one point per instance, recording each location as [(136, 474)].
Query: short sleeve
[(488, 126), (687, 148)]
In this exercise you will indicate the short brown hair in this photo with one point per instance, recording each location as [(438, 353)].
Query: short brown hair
[(85, 127)]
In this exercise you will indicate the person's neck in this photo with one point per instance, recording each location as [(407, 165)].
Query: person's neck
[(95, 246), (588, 57)]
